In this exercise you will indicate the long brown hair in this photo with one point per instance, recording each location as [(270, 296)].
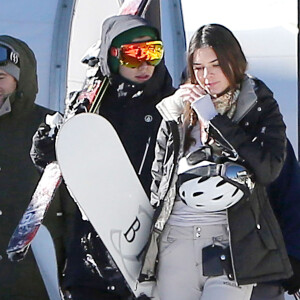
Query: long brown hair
[(230, 56), (227, 48)]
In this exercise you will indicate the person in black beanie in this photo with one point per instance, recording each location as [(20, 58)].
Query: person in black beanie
[(131, 57)]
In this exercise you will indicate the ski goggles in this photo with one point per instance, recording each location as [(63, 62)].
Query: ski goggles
[(232, 171), (228, 170), (235, 172), (8, 55), (135, 54)]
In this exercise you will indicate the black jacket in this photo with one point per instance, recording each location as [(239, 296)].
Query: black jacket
[(257, 134), (130, 108), (284, 195), (18, 178)]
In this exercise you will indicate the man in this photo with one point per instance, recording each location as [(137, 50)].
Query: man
[(19, 119), (8, 85), (131, 57)]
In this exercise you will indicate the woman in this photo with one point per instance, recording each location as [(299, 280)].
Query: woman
[(222, 140)]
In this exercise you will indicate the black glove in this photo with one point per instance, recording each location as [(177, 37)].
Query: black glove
[(81, 106), (292, 285), (43, 146), (99, 261)]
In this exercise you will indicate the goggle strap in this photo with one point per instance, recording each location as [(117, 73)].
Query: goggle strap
[(114, 51)]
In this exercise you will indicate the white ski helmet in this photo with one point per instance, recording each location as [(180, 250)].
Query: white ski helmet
[(210, 187)]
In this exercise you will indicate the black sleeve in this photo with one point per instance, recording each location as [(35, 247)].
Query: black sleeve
[(263, 150)]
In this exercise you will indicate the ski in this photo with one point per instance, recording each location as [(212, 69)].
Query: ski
[(90, 96), (43, 249), (34, 214), (134, 7)]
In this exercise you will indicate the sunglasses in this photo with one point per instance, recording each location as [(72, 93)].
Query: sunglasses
[(7, 54), (135, 54)]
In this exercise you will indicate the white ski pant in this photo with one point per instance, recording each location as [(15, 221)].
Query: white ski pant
[(180, 275)]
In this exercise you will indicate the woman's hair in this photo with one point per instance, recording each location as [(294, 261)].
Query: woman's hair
[(231, 60), (227, 48)]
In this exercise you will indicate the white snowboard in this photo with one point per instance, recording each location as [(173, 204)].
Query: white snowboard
[(103, 182)]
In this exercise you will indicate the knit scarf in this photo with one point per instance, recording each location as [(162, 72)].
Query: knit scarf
[(225, 103)]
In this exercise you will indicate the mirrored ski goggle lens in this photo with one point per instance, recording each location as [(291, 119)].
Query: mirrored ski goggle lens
[(235, 172), (7, 55), (3, 55), (133, 55)]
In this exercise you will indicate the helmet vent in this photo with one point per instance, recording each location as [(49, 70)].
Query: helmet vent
[(197, 194)]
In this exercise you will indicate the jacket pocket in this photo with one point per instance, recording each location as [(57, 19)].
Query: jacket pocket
[(262, 226), (265, 233)]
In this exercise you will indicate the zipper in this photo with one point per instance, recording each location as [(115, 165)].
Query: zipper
[(230, 249), (237, 156), (144, 156)]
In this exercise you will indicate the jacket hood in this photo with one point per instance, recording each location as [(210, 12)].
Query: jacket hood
[(111, 28), (27, 87)]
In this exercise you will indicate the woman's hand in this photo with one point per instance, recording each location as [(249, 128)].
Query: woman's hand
[(190, 92), (172, 107), (200, 101)]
